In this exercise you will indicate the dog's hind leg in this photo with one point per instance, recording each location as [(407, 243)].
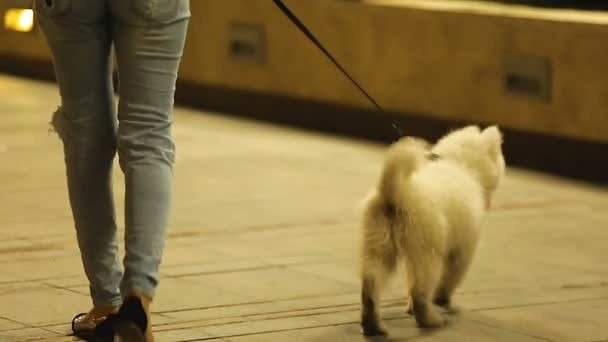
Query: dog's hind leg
[(455, 269), (370, 301), (423, 273), (377, 267)]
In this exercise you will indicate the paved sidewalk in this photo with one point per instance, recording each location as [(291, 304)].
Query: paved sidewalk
[(263, 239)]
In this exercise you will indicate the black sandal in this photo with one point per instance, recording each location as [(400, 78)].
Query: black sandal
[(130, 323), (133, 321)]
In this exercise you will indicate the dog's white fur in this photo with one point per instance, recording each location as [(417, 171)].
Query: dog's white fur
[(425, 214)]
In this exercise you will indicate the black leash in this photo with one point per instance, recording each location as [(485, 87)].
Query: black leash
[(314, 39)]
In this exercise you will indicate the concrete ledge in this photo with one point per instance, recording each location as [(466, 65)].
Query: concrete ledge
[(501, 10)]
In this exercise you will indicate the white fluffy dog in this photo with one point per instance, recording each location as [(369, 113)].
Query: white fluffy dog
[(425, 214)]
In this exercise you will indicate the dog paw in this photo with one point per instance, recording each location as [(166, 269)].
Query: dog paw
[(452, 310), (430, 319), (447, 306), (374, 331), (372, 327), (442, 301)]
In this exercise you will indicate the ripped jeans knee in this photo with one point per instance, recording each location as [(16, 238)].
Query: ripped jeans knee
[(83, 143), (58, 124)]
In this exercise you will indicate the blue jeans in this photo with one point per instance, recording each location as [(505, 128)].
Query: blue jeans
[(148, 38)]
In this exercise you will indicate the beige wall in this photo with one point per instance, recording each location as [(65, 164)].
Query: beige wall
[(443, 62), (443, 59), (294, 67)]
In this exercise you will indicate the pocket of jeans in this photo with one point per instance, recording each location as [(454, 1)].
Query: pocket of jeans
[(52, 8), (155, 10)]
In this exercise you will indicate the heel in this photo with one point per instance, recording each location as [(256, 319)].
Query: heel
[(129, 324), (129, 332), (133, 320)]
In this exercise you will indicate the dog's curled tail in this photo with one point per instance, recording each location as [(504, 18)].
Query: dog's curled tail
[(402, 159)]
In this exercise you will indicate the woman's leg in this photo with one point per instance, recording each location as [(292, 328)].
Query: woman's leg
[(149, 39), (80, 41)]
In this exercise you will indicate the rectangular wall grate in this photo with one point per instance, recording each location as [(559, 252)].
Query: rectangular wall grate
[(528, 76), (247, 43)]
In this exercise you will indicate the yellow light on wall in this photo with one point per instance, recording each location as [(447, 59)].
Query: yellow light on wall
[(19, 19)]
